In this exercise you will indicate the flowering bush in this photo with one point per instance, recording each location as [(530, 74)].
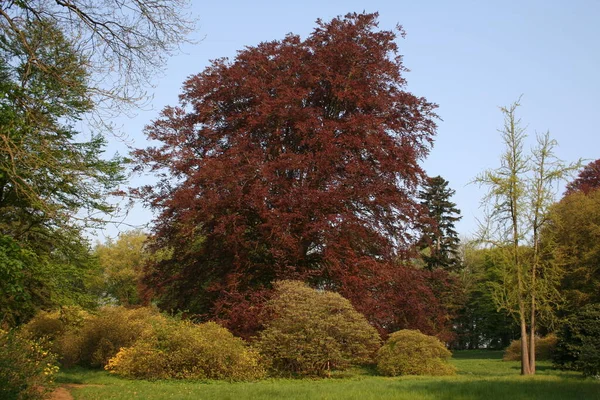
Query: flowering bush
[(183, 350), (26, 368)]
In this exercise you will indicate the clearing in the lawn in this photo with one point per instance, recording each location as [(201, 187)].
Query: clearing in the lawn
[(481, 375)]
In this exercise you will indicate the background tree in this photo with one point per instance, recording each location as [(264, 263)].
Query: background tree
[(587, 180), (439, 242), (520, 192), (299, 159), (573, 240), (122, 262), (479, 323), (124, 42)]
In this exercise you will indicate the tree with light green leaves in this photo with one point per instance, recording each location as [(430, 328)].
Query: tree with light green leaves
[(121, 262), (520, 192)]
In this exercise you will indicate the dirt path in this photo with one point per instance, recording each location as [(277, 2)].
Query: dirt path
[(62, 393)]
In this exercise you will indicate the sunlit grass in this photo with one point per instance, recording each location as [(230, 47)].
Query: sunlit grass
[(481, 375)]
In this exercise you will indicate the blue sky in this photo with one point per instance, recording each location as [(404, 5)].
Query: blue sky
[(469, 57)]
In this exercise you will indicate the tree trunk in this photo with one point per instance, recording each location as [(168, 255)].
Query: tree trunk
[(525, 368), (532, 322), (532, 338)]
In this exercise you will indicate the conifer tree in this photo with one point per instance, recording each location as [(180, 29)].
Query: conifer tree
[(439, 240)]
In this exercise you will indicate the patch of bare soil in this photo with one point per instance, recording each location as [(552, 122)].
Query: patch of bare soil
[(63, 393)]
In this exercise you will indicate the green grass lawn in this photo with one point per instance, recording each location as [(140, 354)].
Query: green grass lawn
[(481, 375)]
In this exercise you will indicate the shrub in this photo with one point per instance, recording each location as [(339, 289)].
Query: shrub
[(90, 340), (182, 350), (104, 334), (51, 325), (60, 330), (310, 332), (544, 349), (578, 345), (26, 369), (409, 352)]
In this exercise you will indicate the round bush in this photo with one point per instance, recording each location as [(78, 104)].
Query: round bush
[(183, 350), (409, 352), (26, 369), (310, 332), (544, 349), (578, 345)]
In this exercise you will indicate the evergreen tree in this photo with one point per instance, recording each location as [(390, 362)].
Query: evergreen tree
[(439, 241)]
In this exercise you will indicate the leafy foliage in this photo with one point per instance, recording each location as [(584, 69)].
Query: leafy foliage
[(573, 241), (479, 324), (34, 277), (183, 350), (124, 43), (26, 368), (310, 332), (409, 352), (520, 193), (53, 182), (545, 348), (47, 172), (90, 340), (299, 159), (439, 240), (122, 262), (587, 180), (103, 334), (579, 342)]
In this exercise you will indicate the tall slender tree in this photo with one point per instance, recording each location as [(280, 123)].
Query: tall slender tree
[(439, 242), (520, 193)]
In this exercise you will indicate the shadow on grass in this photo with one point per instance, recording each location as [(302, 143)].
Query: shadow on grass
[(515, 389), (477, 354)]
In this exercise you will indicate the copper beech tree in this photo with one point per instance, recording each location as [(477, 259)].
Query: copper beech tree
[(587, 180), (298, 159)]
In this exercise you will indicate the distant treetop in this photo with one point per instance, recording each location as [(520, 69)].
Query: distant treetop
[(587, 180)]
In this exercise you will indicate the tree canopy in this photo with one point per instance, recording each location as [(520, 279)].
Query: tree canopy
[(587, 180), (121, 43), (573, 239), (299, 159)]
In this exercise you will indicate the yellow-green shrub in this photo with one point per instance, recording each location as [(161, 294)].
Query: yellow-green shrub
[(50, 325), (310, 332), (81, 338), (183, 350), (544, 348), (26, 368), (105, 333), (59, 330), (409, 352)]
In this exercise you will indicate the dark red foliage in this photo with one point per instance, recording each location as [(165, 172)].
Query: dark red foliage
[(299, 159), (587, 180)]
